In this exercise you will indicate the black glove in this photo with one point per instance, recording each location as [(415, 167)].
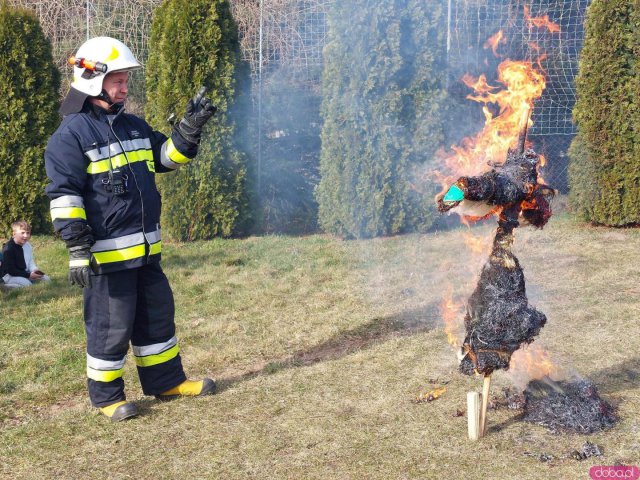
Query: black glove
[(79, 270), (198, 112)]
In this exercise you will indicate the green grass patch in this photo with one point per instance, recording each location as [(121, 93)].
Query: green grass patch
[(320, 347)]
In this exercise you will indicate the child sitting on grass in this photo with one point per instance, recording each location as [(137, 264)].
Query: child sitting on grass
[(18, 263)]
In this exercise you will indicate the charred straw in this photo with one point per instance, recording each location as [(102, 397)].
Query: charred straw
[(567, 406), (499, 318)]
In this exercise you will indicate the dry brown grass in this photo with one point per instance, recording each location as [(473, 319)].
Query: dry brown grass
[(320, 347)]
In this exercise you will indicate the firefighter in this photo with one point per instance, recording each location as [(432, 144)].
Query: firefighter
[(101, 163)]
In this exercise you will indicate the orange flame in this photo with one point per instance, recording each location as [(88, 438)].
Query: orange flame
[(542, 163), (503, 109), (494, 41), (543, 160), (540, 22), (431, 396), (533, 363), (452, 316), (477, 245)]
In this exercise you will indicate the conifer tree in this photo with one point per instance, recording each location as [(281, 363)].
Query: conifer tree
[(383, 87), (290, 155), (194, 43), (605, 157), (29, 83)]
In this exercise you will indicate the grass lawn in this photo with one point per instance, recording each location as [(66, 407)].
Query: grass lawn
[(320, 347)]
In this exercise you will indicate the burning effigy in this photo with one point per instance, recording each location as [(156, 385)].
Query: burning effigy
[(499, 318), (502, 178)]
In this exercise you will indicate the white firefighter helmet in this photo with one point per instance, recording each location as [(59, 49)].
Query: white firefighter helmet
[(108, 51)]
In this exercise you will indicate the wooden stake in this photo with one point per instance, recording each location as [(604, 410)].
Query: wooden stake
[(473, 415), (486, 385)]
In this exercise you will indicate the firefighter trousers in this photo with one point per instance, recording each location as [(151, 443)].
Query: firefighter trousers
[(136, 306)]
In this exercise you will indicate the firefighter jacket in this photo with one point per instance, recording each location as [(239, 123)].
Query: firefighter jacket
[(88, 157)]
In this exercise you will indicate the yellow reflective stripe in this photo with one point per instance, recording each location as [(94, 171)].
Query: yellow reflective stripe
[(155, 248), (174, 154), (119, 255), (104, 375), (120, 160), (68, 212), (163, 357), (79, 263)]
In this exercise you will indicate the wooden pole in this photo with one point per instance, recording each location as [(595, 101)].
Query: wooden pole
[(486, 385), (473, 415)]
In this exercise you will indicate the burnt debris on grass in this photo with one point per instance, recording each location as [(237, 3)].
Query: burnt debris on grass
[(567, 406)]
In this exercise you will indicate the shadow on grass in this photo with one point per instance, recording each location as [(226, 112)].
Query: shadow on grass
[(516, 418), (375, 332), (619, 377), (40, 293), (188, 259)]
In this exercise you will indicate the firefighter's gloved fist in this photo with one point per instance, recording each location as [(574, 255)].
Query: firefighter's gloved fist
[(79, 270), (198, 112)]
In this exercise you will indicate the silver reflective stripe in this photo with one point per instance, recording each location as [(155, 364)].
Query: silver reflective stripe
[(126, 241), (155, 348), (101, 153), (118, 243), (79, 263), (165, 160), (67, 201), (97, 364), (153, 237)]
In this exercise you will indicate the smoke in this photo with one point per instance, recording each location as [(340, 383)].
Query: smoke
[(288, 152), (282, 45), (292, 38)]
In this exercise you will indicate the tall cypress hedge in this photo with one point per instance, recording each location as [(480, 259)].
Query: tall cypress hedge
[(604, 172), (383, 87), (194, 43), (29, 83), (291, 126)]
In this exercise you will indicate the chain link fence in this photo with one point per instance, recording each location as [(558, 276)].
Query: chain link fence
[(69, 23), (546, 32), (290, 34)]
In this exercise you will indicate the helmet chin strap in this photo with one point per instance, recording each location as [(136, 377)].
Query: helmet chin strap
[(113, 106)]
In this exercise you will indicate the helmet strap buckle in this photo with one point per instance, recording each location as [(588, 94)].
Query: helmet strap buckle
[(113, 107)]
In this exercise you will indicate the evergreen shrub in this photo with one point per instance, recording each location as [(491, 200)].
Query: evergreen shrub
[(383, 107), (29, 83), (604, 173), (194, 43)]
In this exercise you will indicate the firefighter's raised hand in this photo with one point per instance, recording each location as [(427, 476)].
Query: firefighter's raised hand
[(197, 113), (79, 269)]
